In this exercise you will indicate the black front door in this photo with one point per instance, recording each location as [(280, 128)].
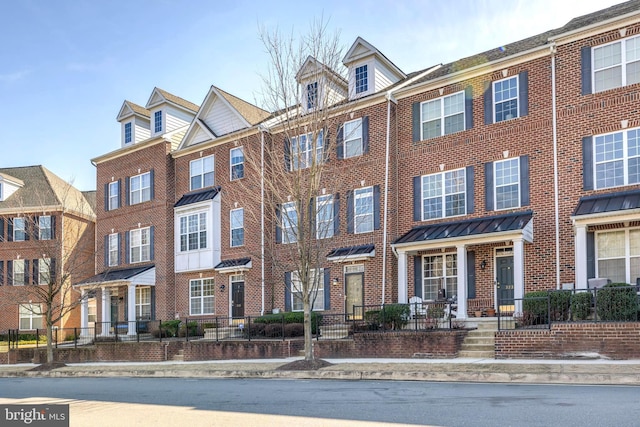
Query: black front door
[(237, 299), (504, 280)]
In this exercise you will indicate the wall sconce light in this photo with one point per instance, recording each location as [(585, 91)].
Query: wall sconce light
[(335, 281), (483, 264), (222, 288)]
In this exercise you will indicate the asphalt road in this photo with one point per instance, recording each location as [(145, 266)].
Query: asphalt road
[(263, 402)]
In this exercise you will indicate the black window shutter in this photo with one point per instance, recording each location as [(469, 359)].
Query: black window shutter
[(10, 273), (151, 242), (1, 229), (417, 276), (524, 181), (53, 227), (119, 260), (1, 273), (119, 198), (471, 274), (417, 198), (152, 189), (10, 230), (36, 228), (287, 291), (287, 154), (365, 134), (523, 93), (52, 270), (470, 194), (126, 247), (153, 303), (336, 214), (325, 144), (26, 272), (340, 142), (376, 207), (350, 213), (587, 163), (488, 186), (585, 69), (278, 224), (106, 197), (106, 251), (415, 122), (488, 103), (36, 273), (28, 227), (468, 107), (126, 191), (327, 288), (591, 255), (312, 216)]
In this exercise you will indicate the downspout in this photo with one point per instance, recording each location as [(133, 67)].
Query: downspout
[(555, 161), (262, 131)]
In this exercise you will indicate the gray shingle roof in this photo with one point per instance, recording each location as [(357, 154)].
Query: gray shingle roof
[(250, 112), (179, 101)]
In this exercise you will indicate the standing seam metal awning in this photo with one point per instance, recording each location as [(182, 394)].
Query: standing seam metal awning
[(116, 275)]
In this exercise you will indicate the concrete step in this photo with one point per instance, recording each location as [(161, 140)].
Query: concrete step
[(477, 354), (478, 347), (480, 340), (481, 334), (179, 357)]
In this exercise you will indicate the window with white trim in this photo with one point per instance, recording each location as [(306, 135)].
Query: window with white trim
[(507, 183), (237, 227), (444, 194), (617, 158), (157, 121), (45, 231), (193, 232), (618, 255), (92, 311), (19, 272), (127, 133), (201, 172), (316, 281), (353, 138), (30, 316), (19, 229), (439, 272), (114, 195), (324, 216), (143, 303), (140, 245), (362, 81), (616, 64), (443, 116), (289, 220), (201, 297), (236, 157), (113, 251), (140, 188), (312, 95), (363, 210), (505, 99), (44, 271), (305, 152)]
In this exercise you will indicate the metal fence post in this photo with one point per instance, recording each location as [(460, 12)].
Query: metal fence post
[(249, 327), (282, 326), (56, 337), (160, 329), (186, 329)]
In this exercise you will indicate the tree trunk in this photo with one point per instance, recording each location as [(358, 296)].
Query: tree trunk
[(308, 337), (49, 342)]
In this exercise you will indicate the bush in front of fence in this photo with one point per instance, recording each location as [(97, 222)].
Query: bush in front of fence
[(581, 305), (271, 325), (391, 316), (617, 301)]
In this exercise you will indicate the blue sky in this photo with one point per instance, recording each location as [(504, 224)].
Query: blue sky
[(67, 66)]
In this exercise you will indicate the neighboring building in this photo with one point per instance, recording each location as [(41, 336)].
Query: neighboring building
[(47, 230)]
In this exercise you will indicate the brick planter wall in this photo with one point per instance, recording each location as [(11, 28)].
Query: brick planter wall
[(211, 350)]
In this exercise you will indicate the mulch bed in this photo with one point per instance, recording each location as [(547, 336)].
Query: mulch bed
[(304, 365), (48, 366)]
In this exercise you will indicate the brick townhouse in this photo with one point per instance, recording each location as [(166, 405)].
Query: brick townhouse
[(512, 170), (47, 230)]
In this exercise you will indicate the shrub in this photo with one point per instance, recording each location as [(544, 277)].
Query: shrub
[(392, 316), (192, 327), (534, 307), (560, 303), (290, 317), (617, 301), (435, 312), (294, 330), (170, 328), (273, 330), (581, 305)]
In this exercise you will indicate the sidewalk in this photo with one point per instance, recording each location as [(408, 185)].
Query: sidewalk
[(592, 371)]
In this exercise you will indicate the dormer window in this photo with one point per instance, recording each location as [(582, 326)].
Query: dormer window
[(362, 81), (157, 122), (312, 95), (1, 193), (127, 133)]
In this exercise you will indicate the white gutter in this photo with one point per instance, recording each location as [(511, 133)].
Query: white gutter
[(555, 161), (389, 97)]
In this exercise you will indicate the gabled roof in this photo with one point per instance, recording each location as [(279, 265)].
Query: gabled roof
[(129, 109), (159, 96), (361, 49), (197, 196), (117, 275), (610, 202), (11, 179), (313, 67), (252, 114)]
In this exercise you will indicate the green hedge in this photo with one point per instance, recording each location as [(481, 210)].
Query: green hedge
[(581, 305), (391, 316), (290, 317), (617, 301)]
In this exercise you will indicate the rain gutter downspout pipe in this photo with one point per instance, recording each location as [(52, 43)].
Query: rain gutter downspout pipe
[(555, 161)]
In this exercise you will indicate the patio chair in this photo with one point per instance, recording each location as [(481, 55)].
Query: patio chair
[(416, 308)]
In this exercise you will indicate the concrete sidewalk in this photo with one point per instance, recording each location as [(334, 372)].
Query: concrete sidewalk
[(593, 371)]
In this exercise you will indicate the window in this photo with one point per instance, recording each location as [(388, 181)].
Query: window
[(1, 194), (443, 116), (19, 229), (19, 272), (362, 82), (617, 159), (92, 311), (304, 152), (316, 281), (44, 269), (507, 183), (30, 316), (193, 232), (140, 188), (312, 95), (143, 303), (157, 121), (616, 64), (324, 217), (289, 220), (363, 210), (201, 297), (201, 172), (443, 194), (127, 133), (505, 99), (353, 138), (237, 163), (618, 255), (45, 230), (237, 227), (114, 195), (113, 251), (439, 272), (140, 245)]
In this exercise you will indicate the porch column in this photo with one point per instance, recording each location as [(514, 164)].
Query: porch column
[(581, 257), (462, 281), (84, 313), (403, 287), (518, 273), (106, 312), (131, 309)]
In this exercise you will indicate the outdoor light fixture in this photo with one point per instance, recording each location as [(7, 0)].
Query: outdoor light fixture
[(483, 265), (221, 288), (335, 281)]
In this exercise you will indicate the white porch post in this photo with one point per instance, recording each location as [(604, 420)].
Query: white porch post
[(131, 309), (403, 287), (462, 281), (581, 257), (518, 273), (106, 312), (84, 313)]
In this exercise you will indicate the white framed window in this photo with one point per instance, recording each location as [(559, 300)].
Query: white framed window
[(618, 255), (44, 271), (127, 133), (289, 220), (201, 297), (193, 232), (505, 99), (362, 79), (316, 281), (201, 172), (439, 272), (140, 188), (363, 210), (324, 216), (19, 229), (617, 158), (616, 64), (140, 245), (45, 230), (442, 116), (114, 195), (236, 217), (19, 272), (92, 311), (30, 316), (305, 152), (507, 183), (444, 194), (237, 163), (143, 303), (113, 242), (157, 121), (312, 95), (353, 138)]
